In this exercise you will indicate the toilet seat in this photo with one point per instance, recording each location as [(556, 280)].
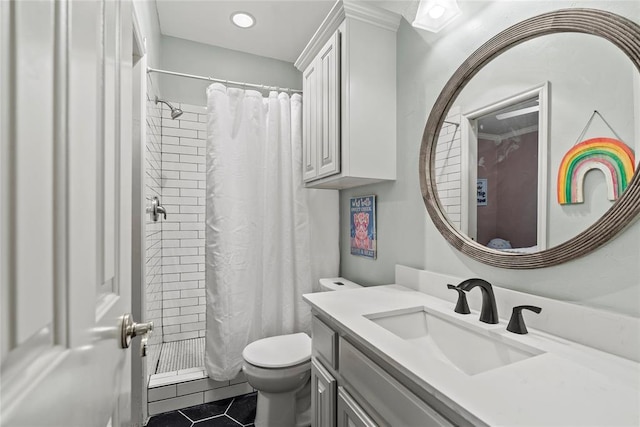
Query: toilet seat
[(281, 351)]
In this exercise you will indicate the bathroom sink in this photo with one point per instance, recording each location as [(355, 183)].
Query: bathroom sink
[(470, 349)]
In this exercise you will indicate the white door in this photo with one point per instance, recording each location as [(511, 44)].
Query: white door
[(65, 211)]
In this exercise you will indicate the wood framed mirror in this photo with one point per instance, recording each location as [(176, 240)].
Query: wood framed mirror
[(617, 31)]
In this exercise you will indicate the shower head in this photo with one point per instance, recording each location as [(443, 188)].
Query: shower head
[(175, 112)]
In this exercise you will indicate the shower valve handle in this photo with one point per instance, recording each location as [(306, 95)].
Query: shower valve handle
[(130, 329)]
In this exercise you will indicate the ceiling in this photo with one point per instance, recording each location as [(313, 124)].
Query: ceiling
[(282, 28)]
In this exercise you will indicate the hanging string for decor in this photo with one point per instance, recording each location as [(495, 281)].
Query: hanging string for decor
[(612, 156)]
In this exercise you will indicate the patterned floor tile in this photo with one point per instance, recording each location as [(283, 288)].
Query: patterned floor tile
[(234, 412), (207, 410), (243, 408), (169, 419)]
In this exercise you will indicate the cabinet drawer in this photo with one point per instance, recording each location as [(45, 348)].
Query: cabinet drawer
[(325, 342), (394, 402)]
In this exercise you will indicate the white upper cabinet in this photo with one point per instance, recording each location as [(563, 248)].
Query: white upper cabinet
[(349, 105)]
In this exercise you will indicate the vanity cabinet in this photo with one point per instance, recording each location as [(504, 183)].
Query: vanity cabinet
[(323, 396), (353, 390), (350, 414), (349, 98)]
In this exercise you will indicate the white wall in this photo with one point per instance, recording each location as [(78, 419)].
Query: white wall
[(205, 60), (147, 15), (608, 278)]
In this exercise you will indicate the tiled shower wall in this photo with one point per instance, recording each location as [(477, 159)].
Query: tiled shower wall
[(448, 166), (183, 195), (153, 256)]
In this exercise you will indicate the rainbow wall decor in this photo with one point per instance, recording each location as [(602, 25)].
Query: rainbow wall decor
[(613, 157)]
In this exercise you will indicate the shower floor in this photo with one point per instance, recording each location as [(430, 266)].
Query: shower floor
[(178, 355)]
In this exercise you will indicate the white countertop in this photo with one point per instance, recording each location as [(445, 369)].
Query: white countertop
[(567, 385)]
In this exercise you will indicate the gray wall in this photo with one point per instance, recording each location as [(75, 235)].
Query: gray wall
[(608, 278), (196, 58)]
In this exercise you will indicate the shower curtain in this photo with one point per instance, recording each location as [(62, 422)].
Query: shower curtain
[(268, 239)]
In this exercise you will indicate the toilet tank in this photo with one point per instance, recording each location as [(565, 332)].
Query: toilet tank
[(337, 284)]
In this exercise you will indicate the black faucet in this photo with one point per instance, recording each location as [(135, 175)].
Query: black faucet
[(516, 323), (461, 306), (489, 311)]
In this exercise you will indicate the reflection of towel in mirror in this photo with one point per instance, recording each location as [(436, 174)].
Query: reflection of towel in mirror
[(499, 244)]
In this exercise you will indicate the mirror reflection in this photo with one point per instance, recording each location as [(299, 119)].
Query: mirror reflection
[(503, 140)]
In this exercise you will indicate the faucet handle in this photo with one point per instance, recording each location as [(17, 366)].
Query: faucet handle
[(516, 323), (461, 306)]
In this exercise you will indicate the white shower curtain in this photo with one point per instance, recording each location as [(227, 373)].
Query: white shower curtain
[(268, 239)]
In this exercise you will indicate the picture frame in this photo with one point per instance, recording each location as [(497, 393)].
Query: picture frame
[(362, 214)]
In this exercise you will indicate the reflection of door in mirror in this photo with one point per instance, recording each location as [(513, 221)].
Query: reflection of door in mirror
[(506, 214), (492, 174)]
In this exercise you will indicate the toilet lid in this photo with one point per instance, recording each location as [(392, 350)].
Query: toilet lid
[(279, 352)]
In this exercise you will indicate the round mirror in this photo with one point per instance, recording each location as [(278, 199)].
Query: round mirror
[(493, 163)]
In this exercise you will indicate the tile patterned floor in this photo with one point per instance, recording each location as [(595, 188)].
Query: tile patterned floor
[(234, 412), (184, 354)]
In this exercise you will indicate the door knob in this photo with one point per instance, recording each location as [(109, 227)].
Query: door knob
[(130, 329)]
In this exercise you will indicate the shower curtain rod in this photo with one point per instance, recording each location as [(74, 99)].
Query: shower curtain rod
[(227, 82)]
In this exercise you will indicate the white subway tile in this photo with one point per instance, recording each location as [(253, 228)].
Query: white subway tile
[(166, 392), (180, 201), (179, 149), (181, 303), (191, 142), (192, 192), (179, 286), (180, 336), (192, 225), (193, 209), (190, 293), (176, 403), (191, 327), (226, 392), (173, 140), (180, 183), (200, 385), (179, 268), (179, 320), (168, 278), (188, 133), (180, 235), (189, 243), (192, 276), (192, 259), (193, 125), (176, 166), (184, 158), (169, 330), (170, 295), (198, 176), (194, 309), (179, 251), (197, 109), (171, 260), (171, 158), (170, 312)]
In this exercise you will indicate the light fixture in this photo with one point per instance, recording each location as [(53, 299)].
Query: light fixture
[(243, 19), (434, 15)]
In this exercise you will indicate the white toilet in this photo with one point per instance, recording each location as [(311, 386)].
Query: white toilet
[(279, 368)]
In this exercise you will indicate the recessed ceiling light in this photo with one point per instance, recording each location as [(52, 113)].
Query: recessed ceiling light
[(243, 19), (434, 15)]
